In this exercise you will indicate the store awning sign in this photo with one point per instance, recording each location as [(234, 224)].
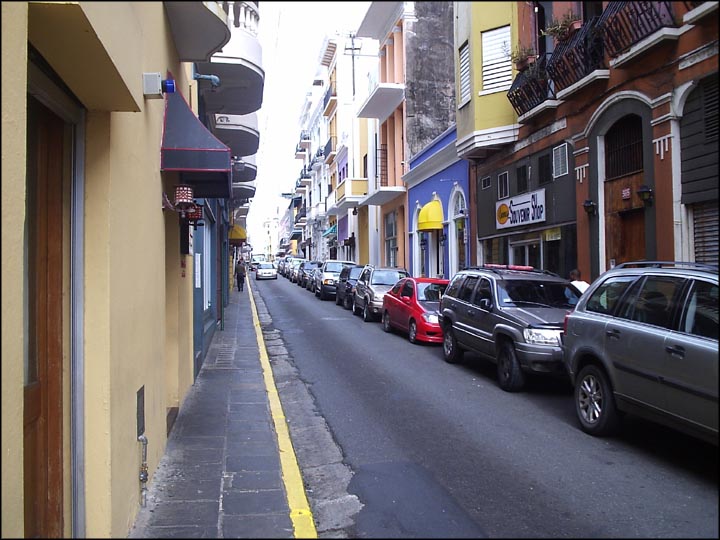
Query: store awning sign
[(520, 210)]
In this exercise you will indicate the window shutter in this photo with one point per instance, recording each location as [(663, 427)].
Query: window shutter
[(464, 73), (710, 106), (560, 161), (496, 64)]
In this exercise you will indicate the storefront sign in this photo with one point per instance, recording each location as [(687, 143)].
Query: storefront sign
[(520, 210)]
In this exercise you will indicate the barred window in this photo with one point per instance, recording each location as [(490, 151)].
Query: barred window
[(624, 147)]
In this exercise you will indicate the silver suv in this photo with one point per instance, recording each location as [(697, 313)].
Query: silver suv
[(644, 339), (326, 278), (512, 315), (370, 289)]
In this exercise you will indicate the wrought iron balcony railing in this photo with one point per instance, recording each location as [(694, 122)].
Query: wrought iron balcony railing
[(330, 146), (577, 56), (382, 166), (531, 87), (627, 23), (305, 173)]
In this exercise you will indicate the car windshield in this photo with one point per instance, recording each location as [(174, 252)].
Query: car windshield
[(387, 277), (265, 265), (335, 267), (431, 292), (535, 293), (355, 272)]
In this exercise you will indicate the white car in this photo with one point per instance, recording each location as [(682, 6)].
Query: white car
[(265, 270)]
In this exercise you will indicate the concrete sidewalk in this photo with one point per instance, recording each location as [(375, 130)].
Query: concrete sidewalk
[(229, 470)]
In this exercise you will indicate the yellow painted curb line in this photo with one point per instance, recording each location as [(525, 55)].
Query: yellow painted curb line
[(300, 513)]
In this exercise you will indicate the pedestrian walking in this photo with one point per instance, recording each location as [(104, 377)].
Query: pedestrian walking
[(240, 272)]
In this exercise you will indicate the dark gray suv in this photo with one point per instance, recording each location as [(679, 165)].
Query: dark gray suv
[(512, 315), (643, 339)]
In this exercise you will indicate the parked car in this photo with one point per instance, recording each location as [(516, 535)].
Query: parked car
[(305, 272), (326, 279), (345, 288), (285, 264), (412, 306), (371, 286), (512, 315), (643, 339), (265, 270), (294, 271)]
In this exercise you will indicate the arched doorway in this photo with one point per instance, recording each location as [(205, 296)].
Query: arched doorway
[(457, 232)]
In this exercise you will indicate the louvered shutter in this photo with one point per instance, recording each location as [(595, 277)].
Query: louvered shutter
[(497, 66), (464, 73), (560, 161), (705, 223)]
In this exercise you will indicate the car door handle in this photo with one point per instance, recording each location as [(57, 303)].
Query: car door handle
[(470, 312), (676, 350), (613, 333)]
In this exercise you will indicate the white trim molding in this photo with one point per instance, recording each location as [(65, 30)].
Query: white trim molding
[(581, 172), (662, 145)]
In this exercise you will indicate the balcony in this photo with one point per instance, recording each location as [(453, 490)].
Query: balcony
[(238, 67), (382, 100), (698, 11), (348, 194), (239, 132), (383, 192), (305, 176), (243, 190), (244, 170), (631, 28), (198, 29), (531, 88), (330, 99), (305, 139), (319, 158), (330, 149), (300, 152), (301, 217), (579, 60)]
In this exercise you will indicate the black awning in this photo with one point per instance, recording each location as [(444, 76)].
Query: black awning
[(189, 148)]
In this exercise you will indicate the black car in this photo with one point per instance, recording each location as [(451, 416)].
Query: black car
[(346, 285), (306, 271), (512, 315)]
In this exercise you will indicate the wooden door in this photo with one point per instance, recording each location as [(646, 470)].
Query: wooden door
[(624, 220), (42, 413)]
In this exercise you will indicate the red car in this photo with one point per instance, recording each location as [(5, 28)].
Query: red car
[(412, 306)]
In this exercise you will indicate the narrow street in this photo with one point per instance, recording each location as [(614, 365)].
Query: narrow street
[(393, 442)]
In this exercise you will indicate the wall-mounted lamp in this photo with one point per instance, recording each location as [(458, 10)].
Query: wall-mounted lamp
[(645, 193), (590, 207), (355, 211)]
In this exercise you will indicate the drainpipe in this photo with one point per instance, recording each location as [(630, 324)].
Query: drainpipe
[(143, 471), (214, 79)]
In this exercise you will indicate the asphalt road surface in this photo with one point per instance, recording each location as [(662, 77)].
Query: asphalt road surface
[(439, 450)]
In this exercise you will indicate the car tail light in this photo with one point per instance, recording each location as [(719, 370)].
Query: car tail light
[(565, 323)]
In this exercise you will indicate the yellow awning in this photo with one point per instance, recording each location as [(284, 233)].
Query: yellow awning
[(237, 233), (431, 216)]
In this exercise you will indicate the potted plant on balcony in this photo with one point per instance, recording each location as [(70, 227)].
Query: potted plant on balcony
[(564, 27), (522, 57)]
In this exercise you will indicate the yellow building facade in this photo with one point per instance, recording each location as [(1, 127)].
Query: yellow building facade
[(97, 324)]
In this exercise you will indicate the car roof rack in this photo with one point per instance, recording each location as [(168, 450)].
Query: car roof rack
[(660, 264), (497, 267)]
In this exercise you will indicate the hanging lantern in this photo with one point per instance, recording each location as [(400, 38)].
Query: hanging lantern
[(183, 196), (195, 213)]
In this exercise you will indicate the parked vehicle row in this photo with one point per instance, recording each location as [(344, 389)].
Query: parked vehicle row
[(642, 339)]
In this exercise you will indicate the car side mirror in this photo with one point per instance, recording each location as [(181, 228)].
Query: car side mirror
[(485, 304)]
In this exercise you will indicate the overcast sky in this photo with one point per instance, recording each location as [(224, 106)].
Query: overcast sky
[(291, 34)]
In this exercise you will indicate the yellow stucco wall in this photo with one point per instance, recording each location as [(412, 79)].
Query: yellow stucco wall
[(14, 120), (138, 306), (491, 110)]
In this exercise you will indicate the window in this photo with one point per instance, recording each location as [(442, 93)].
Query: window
[(701, 312), (496, 64), (623, 147), (544, 169), (467, 288), (485, 182), (464, 74), (560, 161), (522, 179), (606, 295), (503, 187), (655, 302), (710, 107), (391, 248)]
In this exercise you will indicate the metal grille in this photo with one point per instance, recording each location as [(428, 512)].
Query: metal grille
[(627, 23), (382, 166), (705, 223), (624, 147)]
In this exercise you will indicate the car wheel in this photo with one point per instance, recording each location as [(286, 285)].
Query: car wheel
[(451, 350), (338, 300), (386, 322), (355, 308), (347, 302), (510, 375), (594, 402), (366, 315), (412, 332)]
